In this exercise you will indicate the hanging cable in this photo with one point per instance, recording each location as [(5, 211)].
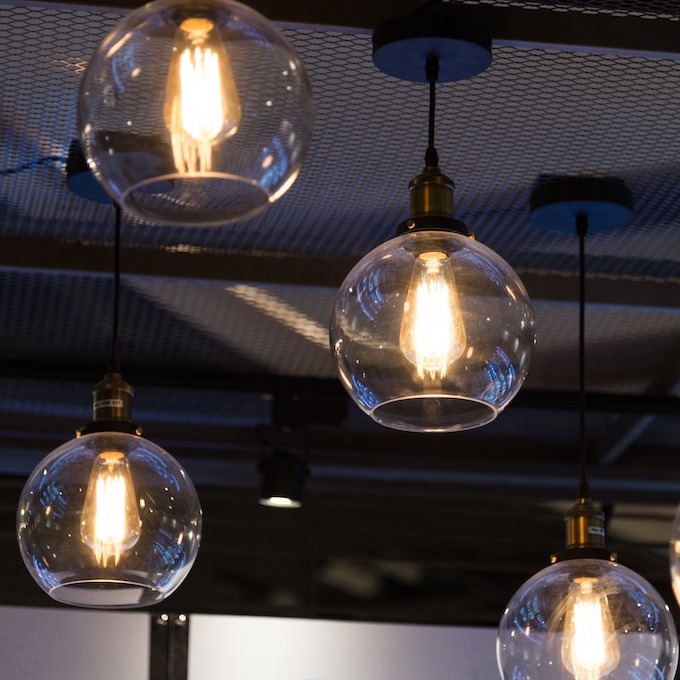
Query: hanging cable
[(432, 75), (113, 365), (31, 165), (581, 231)]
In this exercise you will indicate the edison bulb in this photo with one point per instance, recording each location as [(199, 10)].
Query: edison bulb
[(202, 106), (590, 649), (110, 522), (432, 334)]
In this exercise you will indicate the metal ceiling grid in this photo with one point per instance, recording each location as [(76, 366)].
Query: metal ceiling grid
[(654, 9), (281, 329), (68, 318), (618, 340), (533, 112), (51, 398), (227, 327)]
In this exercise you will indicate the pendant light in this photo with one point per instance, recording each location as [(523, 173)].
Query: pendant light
[(282, 479), (432, 331), (109, 519), (195, 113), (585, 617)]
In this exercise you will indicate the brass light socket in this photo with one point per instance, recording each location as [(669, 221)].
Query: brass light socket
[(431, 193), (584, 524), (112, 399)]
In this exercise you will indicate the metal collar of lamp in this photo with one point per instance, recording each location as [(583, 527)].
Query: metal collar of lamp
[(585, 617), (195, 113), (432, 331), (109, 519)]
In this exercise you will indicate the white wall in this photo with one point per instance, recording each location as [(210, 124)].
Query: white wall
[(73, 644), (76, 644), (258, 648)]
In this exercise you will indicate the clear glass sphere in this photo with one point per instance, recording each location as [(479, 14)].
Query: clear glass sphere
[(195, 114), (432, 332), (109, 520), (587, 619), (675, 556)]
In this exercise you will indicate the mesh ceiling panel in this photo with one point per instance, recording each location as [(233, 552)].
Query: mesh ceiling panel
[(656, 9), (63, 319), (618, 356), (535, 111)]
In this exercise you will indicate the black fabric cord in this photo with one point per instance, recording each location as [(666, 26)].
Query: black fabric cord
[(46, 160), (432, 74), (582, 230), (113, 365)]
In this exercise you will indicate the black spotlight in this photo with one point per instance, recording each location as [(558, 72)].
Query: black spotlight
[(282, 479)]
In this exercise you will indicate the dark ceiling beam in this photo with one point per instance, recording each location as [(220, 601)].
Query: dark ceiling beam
[(324, 388), (329, 388), (393, 473), (506, 24), (626, 430), (251, 266), (300, 270)]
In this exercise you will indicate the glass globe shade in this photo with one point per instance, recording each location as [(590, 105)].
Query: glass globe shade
[(433, 332), (675, 556), (195, 114), (626, 631), (128, 540)]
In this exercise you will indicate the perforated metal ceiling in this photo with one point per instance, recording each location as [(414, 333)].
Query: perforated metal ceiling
[(533, 112), (656, 9)]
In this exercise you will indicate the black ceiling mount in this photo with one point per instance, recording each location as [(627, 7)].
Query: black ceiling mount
[(557, 202), (401, 46)]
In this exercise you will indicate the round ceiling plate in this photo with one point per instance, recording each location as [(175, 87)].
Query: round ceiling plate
[(402, 46), (557, 203)]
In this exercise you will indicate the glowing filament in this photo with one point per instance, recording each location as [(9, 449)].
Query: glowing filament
[(110, 521), (202, 105), (432, 334), (590, 649)]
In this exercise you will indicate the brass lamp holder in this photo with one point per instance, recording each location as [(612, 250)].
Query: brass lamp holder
[(585, 533), (433, 44), (111, 407), (431, 198)]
